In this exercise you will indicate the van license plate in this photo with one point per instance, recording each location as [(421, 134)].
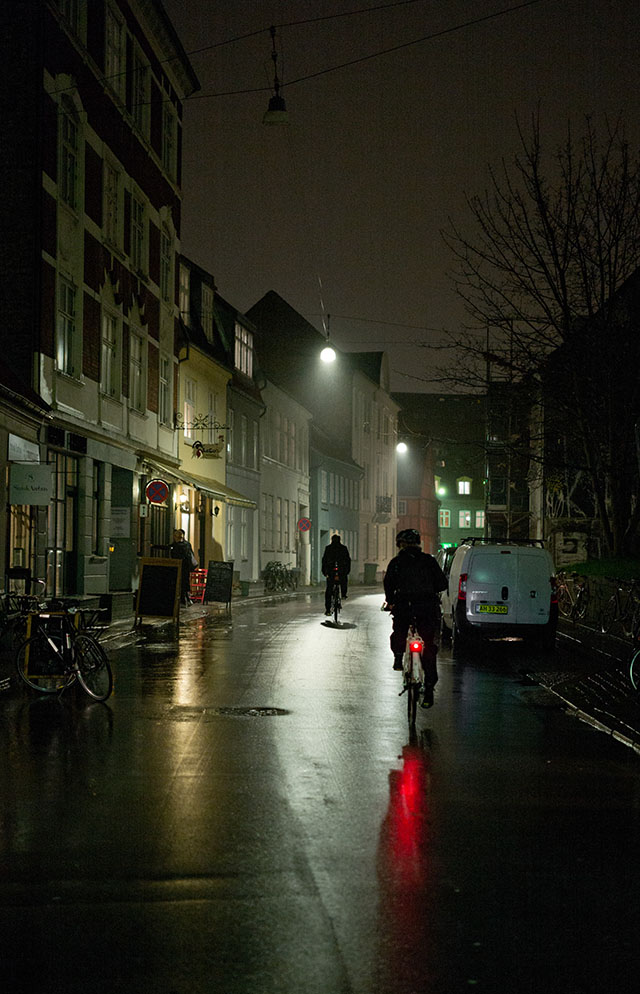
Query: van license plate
[(492, 609)]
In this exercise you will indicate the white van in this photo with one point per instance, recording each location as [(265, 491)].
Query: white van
[(498, 588)]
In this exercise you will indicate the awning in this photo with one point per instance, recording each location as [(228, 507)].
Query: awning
[(220, 491)]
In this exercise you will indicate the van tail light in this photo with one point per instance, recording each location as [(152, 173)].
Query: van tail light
[(462, 587), (554, 590)]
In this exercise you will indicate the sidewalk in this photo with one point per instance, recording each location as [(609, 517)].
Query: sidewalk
[(597, 688)]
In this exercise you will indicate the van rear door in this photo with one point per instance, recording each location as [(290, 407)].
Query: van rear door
[(533, 593), (492, 582)]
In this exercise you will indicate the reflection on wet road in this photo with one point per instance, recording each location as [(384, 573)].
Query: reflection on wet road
[(249, 812)]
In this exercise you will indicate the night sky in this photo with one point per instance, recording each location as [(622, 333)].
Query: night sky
[(342, 209)]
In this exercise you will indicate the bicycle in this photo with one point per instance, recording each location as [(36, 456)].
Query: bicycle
[(573, 596), (622, 610), (412, 673), (57, 652), (336, 596), (634, 670)]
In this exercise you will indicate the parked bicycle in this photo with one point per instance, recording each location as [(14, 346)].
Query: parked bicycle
[(412, 673), (58, 651), (634, 670), (621, 613), (279, 577), (573, 595)]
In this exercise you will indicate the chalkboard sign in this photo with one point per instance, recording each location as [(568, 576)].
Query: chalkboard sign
[(219, 581), (159, 588)]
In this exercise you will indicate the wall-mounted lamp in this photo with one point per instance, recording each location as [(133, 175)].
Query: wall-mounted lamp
[(183, 505), (216, 511)]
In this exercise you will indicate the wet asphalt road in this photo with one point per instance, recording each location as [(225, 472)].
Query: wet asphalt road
[(249, 813)]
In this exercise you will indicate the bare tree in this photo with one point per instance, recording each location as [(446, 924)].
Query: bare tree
[(549, 277)]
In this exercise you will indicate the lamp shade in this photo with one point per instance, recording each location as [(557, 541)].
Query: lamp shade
[(276, 113)]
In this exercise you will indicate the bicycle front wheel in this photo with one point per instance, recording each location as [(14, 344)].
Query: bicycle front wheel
[(565, 605), (40, 665), (609, 615), (94, 671), (634, 671)]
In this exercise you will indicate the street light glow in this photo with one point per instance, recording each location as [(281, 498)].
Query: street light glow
[(401, 447), (328, 354)]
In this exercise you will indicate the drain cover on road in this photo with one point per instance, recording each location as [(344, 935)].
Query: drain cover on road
[(186, 713)]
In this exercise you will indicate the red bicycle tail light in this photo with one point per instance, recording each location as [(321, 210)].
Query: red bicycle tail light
[(462, 587), (416, 647)]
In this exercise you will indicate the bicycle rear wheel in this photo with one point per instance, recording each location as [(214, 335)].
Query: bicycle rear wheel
[(94, 671), (609, 615), (40, 666), (413, 690), (634, 671), (336, 604), (565, 605)]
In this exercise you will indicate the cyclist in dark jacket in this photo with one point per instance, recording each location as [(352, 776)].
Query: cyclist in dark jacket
[(335, 554), (412, 583)]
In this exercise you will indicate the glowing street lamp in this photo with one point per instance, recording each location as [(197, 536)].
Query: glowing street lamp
[(402, 447)]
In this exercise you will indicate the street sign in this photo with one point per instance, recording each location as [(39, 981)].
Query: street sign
[(304, 525), (157, 491)]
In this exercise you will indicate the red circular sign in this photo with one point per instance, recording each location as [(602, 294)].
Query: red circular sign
[(304, 525), (157, 491)]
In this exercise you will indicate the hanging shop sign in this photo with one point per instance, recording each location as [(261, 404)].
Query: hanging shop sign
[(157, 491), (30, 484)]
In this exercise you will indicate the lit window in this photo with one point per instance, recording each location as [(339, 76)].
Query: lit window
[(184, 299), (479, 519), (66, 327), (164, 395), (244, 350), (109, 379), (166, 266), (464, 519), (136, 374), (464, 486), (189, 406), (444, 518)]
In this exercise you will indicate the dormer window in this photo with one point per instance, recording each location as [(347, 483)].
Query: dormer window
[(244, 350)]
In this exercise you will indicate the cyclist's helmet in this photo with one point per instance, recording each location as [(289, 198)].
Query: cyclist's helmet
[(409, 537)]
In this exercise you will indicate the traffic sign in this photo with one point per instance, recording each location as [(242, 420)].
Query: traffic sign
[(157, 491), (304, 524)]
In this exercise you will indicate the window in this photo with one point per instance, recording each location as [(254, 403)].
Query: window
[(114, 56), (111, 204), (464, 519), (184, 302), (66, 327), (166, 266), (140, 91), (207, 312), (244, 437), (479, 519), (68, 185), (244, 350), (464, 486), (230, 439), (444, 518), (169, 139), (109, 369), (243, 533), (136, 374), (69, 10), (97, 509), (402, 507), (164, 394), (189, 406), (138, 260)]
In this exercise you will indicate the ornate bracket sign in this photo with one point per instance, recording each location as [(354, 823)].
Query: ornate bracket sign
[(201, 422)]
